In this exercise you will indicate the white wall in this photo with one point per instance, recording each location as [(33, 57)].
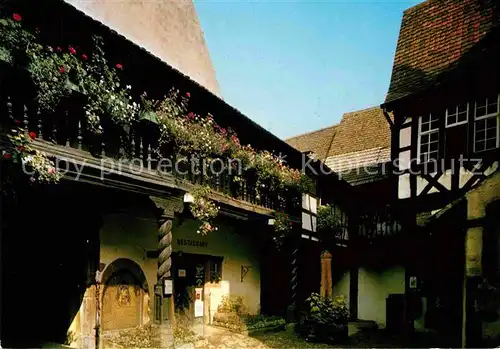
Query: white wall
[(237, 250), (373, 289)]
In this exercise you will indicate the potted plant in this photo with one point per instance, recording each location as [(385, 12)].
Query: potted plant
[(326, 318)]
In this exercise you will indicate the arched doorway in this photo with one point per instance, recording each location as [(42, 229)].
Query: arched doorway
[(125, 296)]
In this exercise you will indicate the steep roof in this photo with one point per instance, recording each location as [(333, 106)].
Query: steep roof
[(317, 142), (361, 140), (434, 36), (361, 130)]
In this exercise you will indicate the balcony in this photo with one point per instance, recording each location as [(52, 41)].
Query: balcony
[(129, 155)]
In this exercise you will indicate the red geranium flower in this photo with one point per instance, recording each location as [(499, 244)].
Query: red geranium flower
[(61, 69), (21, 148), (119, 66), (188, 94), (84, 57), (71, 50), (7, 156), (17, 17), (32, 135)]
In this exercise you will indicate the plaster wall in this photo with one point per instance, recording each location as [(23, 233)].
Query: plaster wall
[(374, 286), (170, 30), (132, 231)]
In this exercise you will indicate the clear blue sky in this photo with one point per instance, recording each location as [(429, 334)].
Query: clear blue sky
[(297, 66)]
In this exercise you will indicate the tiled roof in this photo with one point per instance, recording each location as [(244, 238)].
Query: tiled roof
[(317, 142), (434, 36), (361, 130), (360, 140), (358, 159)]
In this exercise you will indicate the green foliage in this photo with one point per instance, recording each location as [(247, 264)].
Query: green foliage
[(328, 222), (232, 304), (14, 40), (35, 163), (282, 227), (327, 311), (204, 209)]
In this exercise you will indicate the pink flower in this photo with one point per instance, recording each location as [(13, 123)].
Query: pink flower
[(7, 156), (84, 57), (32, 135), (17, 17), (61, 70), (52, 170), (188, 94), (71, 50), (119, 66)]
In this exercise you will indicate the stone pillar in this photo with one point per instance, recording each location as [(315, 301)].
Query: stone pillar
[(87, 321), (164, 304), (326, 275)]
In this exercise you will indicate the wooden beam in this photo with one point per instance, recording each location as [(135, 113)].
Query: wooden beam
[(130, 173)]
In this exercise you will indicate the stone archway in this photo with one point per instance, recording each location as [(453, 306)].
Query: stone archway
[(125, 299)]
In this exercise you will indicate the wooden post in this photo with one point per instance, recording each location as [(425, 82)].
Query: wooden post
[(166, 307), (326, 289), (294, 281)]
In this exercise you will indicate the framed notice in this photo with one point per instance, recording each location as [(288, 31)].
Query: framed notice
[(168, 287), (198, 308), (182, 273)]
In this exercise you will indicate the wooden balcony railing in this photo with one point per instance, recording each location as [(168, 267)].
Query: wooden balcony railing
[(136, 145)]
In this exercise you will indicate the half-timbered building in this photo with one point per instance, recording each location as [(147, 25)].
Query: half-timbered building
[(443, 109), (367, 269)]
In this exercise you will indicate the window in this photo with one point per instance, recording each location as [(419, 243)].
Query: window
[(457, 115), (486, 124), (428, 147), (214, 269)]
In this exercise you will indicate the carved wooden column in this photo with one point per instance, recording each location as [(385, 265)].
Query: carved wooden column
[(326, 274), (164, 303), (294, 281)]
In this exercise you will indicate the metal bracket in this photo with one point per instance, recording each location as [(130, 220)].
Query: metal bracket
[(244, 271)]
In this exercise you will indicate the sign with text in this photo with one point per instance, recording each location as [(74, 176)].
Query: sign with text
[(189, 242)]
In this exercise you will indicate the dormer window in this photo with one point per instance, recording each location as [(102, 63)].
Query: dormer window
[(428, 139), (486, 124)]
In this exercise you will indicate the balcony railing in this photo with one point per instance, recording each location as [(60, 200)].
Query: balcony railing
[(135, 146)]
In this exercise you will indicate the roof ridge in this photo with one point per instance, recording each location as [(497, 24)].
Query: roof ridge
[(310, 132), (361, 110)]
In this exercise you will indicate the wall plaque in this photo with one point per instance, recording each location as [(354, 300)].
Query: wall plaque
[(168, 287)]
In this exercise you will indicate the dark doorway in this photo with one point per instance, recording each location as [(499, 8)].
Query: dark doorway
[(444, 275)]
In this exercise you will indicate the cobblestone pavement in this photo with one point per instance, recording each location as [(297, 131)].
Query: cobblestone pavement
[(215, 338)]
